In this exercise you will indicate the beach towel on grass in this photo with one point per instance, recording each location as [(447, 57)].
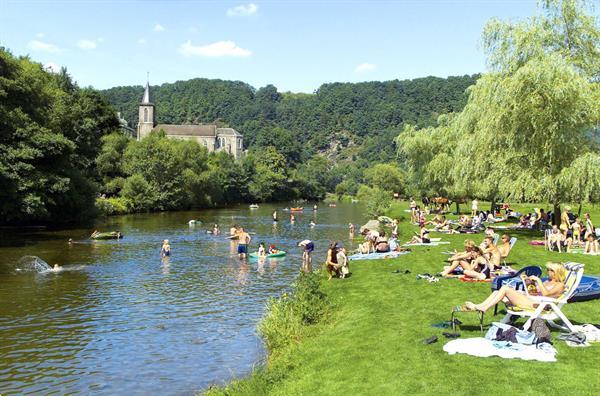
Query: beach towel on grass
[(427, 244), (483, 347), (465, 278), (376, 256)]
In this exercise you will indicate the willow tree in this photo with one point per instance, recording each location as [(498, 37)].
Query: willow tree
[(428, 155), (529, 120)]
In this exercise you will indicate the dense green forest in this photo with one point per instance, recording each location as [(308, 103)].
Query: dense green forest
[(64, 159), (366, 115)]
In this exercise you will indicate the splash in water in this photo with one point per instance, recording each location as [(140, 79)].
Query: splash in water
[(32, 264)]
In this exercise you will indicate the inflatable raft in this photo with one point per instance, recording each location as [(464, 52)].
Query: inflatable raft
[(280, 253)]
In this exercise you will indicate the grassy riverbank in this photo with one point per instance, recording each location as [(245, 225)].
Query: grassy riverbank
[(371, 342)]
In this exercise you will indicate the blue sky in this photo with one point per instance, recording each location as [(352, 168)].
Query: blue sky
[(295, 45)]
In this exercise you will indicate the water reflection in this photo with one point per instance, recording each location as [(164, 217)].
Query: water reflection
[(119, 319)]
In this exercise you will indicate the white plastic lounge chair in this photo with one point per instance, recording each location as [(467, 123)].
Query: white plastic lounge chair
[(549, 309), (511, 242)]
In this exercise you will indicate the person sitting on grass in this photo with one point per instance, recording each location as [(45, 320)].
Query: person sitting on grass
[(557, 240), (551, 288), (423, 236), (437, 219), (490, 256), (504, 249), (461, 259), (591, 245), (331, 263), (381, 243)]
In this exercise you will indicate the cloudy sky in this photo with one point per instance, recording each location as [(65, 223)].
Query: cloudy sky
[(295, 45)]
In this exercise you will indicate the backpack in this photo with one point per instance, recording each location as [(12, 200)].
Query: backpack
[(541, 331)]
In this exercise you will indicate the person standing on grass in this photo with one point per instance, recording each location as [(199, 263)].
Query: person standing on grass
[(474, 206), (565, 222), (243, 241), (589, 226), (342, 260)]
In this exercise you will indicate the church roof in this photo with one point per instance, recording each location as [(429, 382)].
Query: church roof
[(188, 130), (228, 132), (146, 99)]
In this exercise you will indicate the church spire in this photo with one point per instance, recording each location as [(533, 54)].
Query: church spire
[(146, 98)]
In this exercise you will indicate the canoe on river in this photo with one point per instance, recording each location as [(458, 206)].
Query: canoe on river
[(297, 209), (106, 235), (280, 253)]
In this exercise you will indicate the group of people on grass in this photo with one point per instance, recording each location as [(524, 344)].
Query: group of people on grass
[(478, 262), (573, 232)]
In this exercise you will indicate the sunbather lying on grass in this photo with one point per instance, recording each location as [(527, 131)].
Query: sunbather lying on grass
[(551, 288)]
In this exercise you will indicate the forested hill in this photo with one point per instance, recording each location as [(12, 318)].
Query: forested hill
[(362, 109)]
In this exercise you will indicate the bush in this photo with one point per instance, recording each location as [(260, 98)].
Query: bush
[(285, 317), (112, 206)]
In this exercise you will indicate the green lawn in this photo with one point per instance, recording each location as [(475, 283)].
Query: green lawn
[(372, 343)]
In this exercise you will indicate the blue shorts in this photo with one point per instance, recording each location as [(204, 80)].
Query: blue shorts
[(242, 248)]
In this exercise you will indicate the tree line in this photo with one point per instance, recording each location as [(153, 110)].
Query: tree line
[(64, 160)]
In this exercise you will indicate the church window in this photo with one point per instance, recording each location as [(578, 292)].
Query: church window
[(145, 115)]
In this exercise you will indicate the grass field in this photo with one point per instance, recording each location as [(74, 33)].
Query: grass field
[(372, 342)]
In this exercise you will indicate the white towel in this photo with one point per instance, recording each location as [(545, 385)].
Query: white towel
[(483, 347)]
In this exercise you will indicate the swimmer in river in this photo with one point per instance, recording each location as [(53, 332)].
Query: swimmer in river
[(312, 224), (243, 241), (216, 230), (275, 216), (292, 218), (166, 249)]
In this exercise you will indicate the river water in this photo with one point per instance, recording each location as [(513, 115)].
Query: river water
[(119, 320)]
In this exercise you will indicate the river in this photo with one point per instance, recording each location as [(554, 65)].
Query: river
[(119, 320)]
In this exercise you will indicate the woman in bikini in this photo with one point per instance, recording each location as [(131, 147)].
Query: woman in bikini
[(423, 236), (551, 288), (461, 259)]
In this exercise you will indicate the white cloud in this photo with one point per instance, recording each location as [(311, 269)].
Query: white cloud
[(51, 67), (141, 41), (242, 10), (86, 44), (217, 49), (364, 67), (37, 45), (159, 28), (40, 35)]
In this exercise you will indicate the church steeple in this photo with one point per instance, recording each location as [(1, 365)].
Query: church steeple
[(146, 114), (146, 99)]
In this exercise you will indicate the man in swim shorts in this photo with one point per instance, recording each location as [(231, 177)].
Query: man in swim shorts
[(243, 241)]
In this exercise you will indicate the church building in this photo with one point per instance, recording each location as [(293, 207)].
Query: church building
[(209, 136)]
